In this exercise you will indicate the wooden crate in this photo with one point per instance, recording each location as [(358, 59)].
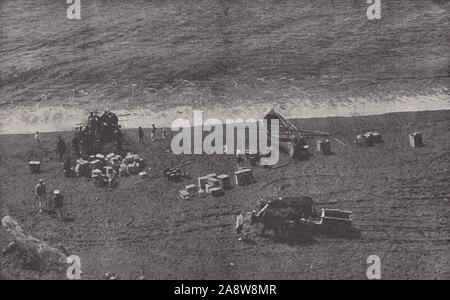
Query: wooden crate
[(191, 189), (202, 181), (35, 166), (224, 181), (216, 192), (324, 146), (83, 168), (244, 177), (416, 140)]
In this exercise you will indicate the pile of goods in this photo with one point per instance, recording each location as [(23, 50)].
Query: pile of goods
[(369, 138), (210, 185), (175, 174), (105, 168), (214, 185)]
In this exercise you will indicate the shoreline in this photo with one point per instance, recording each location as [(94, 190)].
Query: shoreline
[(300, 119)]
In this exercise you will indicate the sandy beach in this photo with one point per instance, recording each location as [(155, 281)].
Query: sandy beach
[(399, 195)]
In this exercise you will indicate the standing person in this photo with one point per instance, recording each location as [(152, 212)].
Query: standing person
[(96, 124), (141, 135), (37, 138), (58, 203), (123, 169), (41, 192), (153, 135), (240, 226), (164, 133), (61, 148), (68, 172), (90, 122)]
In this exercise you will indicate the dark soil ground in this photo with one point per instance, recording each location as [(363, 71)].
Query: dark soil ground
[(400, 197)]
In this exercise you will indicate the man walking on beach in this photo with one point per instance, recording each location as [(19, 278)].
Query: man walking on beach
[(240, 226), (58, 204), (141, 135), (37, 138), (41, 192), (61, 148), (153, 135)]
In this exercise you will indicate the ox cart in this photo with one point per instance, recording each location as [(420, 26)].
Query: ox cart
[(298, 216)]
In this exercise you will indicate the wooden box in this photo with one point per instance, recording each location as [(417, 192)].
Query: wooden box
[(324, 146), (83, 168), (191, 189), (416, 140), (224, 181), (202, 181), (97, 164), (35, 166), (244, 177), (143, 174)]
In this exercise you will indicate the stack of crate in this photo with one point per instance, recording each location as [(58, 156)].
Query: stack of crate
[(211, 183), (202, 181)]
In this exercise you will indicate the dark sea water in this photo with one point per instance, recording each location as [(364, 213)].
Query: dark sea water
[(155, 61)]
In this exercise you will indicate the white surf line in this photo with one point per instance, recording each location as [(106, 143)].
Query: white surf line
[(29, 119)]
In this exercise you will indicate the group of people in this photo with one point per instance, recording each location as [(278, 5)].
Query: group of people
[(53, 204), (102, 125), (85, 142), (98, 130), (152, 134)]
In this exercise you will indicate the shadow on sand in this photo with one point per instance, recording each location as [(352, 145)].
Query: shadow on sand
[(297, 238)]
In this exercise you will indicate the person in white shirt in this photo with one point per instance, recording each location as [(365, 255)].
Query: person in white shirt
[(239, 227), (153, 133)]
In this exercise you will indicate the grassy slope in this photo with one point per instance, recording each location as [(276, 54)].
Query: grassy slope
[(399, 195), (223, 46)]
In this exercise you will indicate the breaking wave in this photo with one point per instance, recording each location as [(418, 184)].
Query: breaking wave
[(29, 119)]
